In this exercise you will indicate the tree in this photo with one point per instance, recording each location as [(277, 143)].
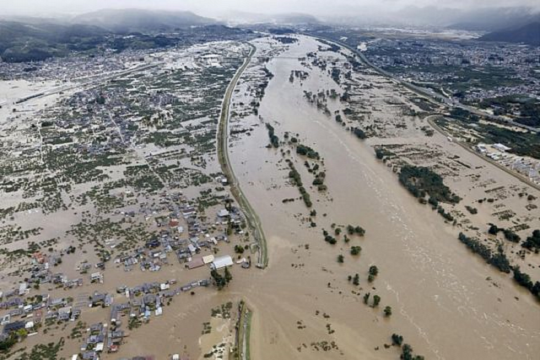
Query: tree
[(356, 280), (387, 311), (355, 250), (239, 249), (228, 276), (340, 259), (493, 229), (407, 351), (366, 298), (220, 280), (376, 300), (397, 339), (373, 270)]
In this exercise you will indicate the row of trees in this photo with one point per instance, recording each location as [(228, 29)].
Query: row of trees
[(274, 140), (406, 349), (294, 175), (525, 281), (497, 260)]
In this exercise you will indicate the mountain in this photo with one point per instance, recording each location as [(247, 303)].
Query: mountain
[(137, 20), (528, 34), (495, 19), (38, 41), (479, 19), (240, 17)]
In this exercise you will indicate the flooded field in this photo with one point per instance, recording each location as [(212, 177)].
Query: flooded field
[(446, 302)]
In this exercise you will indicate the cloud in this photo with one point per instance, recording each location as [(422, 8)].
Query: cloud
[(212, 7)]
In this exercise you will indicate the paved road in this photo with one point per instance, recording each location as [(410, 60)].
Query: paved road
[(252, 218)]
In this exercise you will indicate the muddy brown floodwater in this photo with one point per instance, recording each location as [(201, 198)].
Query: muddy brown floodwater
[(443, 304)]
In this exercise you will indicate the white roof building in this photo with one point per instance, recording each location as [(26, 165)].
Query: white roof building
[(221, 262), (223, 213)]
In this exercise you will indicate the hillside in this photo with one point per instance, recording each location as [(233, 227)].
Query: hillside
[(528, 34), (38, 41), (136, 20), (277, 19)]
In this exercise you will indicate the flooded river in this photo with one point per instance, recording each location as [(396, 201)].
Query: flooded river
[(447, 304)]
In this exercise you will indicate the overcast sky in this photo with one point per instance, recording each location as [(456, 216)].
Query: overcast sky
[(215, 7)]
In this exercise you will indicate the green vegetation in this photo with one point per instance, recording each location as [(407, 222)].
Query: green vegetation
[(525, 281), (471, 210), (397, 340), (43, 352), (533, 242), (497, 260), (382, 153), (527, 107), (274, 140), (296, 179), (508, 234), (421, 181), (520, 143), (355, 230), (387, 311), (355, 250), (407, 353), (359, 133), (221, 280), (305, 150), (373, 272)]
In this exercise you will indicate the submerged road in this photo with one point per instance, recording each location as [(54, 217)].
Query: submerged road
[(252, 218)]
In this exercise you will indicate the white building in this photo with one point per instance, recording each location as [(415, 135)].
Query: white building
[(221, 262)]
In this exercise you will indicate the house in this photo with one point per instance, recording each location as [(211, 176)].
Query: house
[(38, 258), (14, 326), (501, 147), (96, 328), (90, 355), (195, 263), (221, 262), (96, 277), (98, 299), (208, 259), (23, 289), (223, 213), (75, 314)]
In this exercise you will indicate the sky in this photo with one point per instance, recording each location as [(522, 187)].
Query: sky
[(217, 7)]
